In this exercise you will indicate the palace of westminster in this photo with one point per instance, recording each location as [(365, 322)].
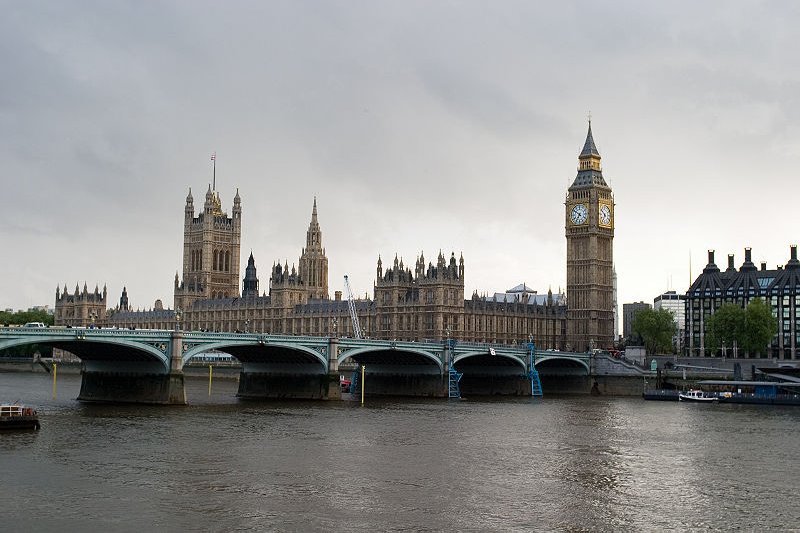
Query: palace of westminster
[(426, 302)]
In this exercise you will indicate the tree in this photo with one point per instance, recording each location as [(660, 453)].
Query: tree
[(759, 326), (750, 328), (656, 328), (21, 317), (725, 327)]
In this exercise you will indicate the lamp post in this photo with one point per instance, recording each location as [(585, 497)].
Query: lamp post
[(177, 319)]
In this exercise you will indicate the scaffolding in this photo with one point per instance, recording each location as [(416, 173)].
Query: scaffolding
[(533, 375)]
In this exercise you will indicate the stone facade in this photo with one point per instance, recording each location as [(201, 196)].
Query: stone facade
[(589, 226), (424, 303), (81, 308), (211, 243)]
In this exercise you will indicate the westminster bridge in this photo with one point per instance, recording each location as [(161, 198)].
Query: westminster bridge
[(146, 366)]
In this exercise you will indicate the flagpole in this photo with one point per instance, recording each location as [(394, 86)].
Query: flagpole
[(214, 160)]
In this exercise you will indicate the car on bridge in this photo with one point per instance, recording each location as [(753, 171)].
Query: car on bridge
[(34, 325)]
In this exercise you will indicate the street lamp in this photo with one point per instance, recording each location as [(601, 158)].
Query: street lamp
[(177, 319)]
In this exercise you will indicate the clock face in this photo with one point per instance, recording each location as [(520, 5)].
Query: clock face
[(605, 215), (579, 214)]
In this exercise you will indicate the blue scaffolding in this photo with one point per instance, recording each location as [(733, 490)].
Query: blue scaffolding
[(453, 390), (533, 375), (454, 376)]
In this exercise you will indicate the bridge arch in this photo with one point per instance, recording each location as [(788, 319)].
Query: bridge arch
[(116, 348), (543, 361), (481, 354), (241, 349), (425, 355)]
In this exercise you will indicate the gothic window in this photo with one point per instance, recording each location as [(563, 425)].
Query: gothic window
[(215, 260), (227, 261)]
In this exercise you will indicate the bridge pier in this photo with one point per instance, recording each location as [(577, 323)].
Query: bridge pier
[(107, 386), (136, 382), (268, 385)]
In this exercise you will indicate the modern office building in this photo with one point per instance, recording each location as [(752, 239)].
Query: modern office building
[(779, 287), (628, 314), (676, 304)]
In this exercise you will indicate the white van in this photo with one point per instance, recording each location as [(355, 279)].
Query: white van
[(34, 325)]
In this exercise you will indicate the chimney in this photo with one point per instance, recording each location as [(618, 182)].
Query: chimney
[(337, 296), (794, 252), (711, 257), (747, 258), (763, 265), (730, 262)]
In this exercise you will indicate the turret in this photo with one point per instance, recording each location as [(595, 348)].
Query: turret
[(250, 282), (123, 300), (380, 268), (189, 209), (237, 208)]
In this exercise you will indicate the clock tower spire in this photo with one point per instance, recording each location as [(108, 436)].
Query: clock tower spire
[(589, 229)]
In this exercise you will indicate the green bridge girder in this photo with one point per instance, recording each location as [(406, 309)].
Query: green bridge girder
[(157, 346)]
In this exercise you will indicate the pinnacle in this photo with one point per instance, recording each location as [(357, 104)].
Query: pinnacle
[(589, 147)]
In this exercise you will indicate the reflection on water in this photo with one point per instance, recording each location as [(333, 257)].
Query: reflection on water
[(571, 463)]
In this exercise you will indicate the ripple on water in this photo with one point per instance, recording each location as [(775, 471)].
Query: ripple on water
[(574, 464)]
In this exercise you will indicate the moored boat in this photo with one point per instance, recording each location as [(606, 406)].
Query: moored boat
[(696, 395), (18, 417)]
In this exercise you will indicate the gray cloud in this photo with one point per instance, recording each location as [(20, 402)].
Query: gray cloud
[(418, 125)]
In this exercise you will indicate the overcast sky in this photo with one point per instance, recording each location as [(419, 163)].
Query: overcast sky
[(419, 126)]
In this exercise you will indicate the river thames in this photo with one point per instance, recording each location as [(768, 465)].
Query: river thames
[(520, 464)]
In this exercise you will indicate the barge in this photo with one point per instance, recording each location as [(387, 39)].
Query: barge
[(18, 417)]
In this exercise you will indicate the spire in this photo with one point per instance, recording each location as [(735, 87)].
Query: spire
[(589, 148), (314, 234), (590, 173), (250, 281)]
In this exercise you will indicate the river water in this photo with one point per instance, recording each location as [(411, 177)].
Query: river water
[(566, 463)]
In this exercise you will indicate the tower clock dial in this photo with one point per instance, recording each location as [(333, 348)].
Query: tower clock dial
[(605, 215), (579, 214)]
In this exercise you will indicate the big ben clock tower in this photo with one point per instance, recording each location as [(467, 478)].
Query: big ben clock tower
[(590, 236)]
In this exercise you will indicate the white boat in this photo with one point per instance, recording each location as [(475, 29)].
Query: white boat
[(696, 395)]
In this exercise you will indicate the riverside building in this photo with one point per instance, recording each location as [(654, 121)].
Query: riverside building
[(424, 303), (779, 287)]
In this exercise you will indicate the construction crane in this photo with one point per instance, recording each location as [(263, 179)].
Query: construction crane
[(352, 306)]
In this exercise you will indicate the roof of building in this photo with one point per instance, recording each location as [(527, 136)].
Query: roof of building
[(748, 280), (589, 147)]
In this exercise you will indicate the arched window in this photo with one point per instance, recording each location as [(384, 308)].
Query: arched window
[(227, 262), (216, 260)]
